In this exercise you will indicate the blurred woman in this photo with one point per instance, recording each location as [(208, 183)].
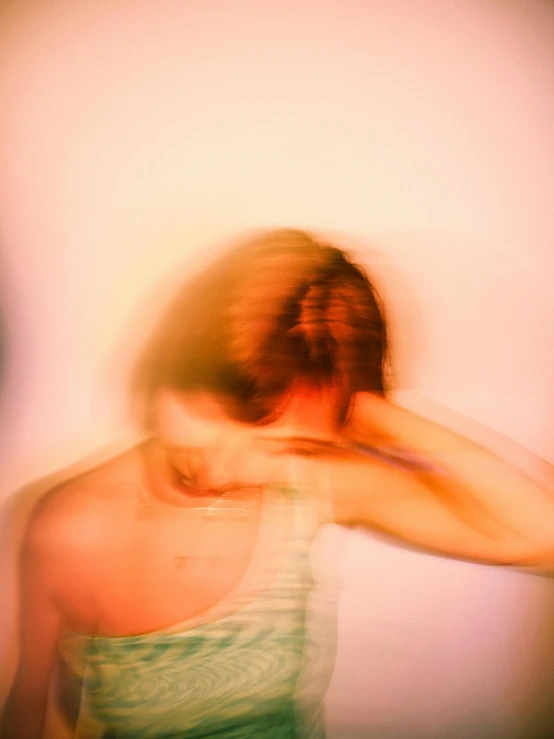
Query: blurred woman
[(165, 593)]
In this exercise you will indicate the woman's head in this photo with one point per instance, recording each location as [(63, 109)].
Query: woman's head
[(281, 310)]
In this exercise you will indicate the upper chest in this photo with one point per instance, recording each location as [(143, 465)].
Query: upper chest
[(165, 568)]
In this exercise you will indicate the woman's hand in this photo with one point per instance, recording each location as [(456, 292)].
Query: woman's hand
[(371, 421)]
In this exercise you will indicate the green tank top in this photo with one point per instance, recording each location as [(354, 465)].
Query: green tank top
[(238, 676)]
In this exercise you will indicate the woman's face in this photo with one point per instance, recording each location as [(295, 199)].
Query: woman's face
[(207, 452)]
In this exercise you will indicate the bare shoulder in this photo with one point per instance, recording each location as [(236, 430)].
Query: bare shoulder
[(78, 519)]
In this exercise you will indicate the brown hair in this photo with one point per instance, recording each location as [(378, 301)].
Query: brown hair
[(281, 307)]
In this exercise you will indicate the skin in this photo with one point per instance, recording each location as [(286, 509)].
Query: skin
[(127, 548)]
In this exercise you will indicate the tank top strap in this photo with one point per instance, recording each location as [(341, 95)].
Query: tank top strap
[(305, 500)]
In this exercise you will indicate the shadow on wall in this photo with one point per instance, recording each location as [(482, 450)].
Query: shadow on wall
[(3, 335)]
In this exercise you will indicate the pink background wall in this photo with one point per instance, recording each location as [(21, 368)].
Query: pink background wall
[(135, 135)]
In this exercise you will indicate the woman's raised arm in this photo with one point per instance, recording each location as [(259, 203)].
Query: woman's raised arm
[(440, 491)]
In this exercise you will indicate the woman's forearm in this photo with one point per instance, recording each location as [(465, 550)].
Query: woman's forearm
[(23, 716), (479, 486)]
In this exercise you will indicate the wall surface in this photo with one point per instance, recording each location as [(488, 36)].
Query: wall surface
[(136, 136)]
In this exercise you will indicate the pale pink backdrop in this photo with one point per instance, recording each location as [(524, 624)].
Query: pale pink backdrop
[(136, 135)]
